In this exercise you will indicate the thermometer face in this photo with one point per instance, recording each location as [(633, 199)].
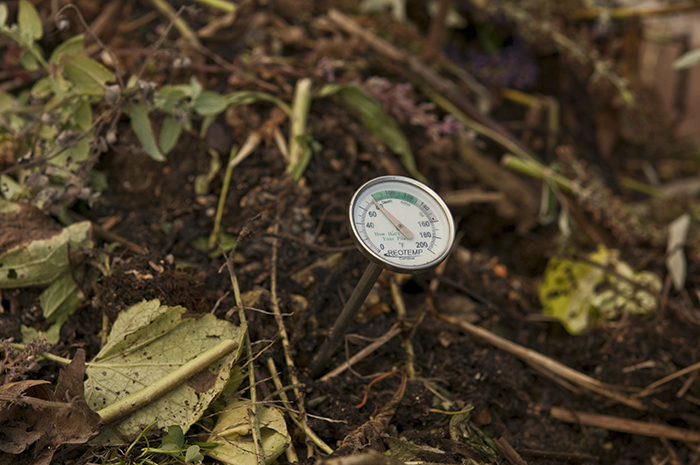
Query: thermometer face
[(401, 224)]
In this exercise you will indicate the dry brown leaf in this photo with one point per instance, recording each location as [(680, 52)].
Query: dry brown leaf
[(34, 421)]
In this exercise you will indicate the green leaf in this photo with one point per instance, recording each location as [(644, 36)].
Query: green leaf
[(88, 76), (244, 97), (143, 130), (175, 437), (72, 157), (41, 88), (3, 14), (6, 102), (209, 103), (148, 342), (168, 97), (28, 60), (29, 22), (233, 432), (41, 261), (169, 134), (10, 189), (383, 126), (581, 294), (73, 45), (51, 335), (228, 242), (193, 455), (60, 299), (82, 116)]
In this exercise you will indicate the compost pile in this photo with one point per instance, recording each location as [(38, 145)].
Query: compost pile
[(193, 162)]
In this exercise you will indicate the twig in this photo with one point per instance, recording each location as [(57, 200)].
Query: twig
[(274, 303), (393, 331), (296, 418), (532, 357), (253, 411), (630, 12), (624, 425), (508, 452), (647, 390)]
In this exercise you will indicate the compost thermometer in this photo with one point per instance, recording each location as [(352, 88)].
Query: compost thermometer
[(399, 224)]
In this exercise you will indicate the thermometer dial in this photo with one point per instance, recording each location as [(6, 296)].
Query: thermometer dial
[(400, 224)]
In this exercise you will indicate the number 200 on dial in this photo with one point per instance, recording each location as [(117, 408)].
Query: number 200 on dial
[(401, 224)]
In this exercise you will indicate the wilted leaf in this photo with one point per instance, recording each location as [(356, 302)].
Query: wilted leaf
[(581, 293), (675, 258), (29, 21), (34, 250), (233, 433), (149, 341), (382, 125), (143, 130)]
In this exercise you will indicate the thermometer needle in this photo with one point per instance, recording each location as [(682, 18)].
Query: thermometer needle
[(399, 225)]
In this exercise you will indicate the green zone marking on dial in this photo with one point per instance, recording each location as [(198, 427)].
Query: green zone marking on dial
[(391, 194)]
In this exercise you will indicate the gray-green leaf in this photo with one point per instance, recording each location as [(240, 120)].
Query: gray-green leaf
[(142, 127), (169, 134), (89, 76), (29, 21)]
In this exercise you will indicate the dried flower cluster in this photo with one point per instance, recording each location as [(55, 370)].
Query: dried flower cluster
[(398, 101), (17, 363), (605, 208)]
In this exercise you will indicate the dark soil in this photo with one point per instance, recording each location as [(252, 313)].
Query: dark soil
[(490, 279)]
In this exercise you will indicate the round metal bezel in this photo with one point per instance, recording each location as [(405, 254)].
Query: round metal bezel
[(378, 259)]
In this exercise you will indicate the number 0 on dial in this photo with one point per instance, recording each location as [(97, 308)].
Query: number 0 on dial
[(400, 224)]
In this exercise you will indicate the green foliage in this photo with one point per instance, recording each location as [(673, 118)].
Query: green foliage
[(42, 261), (173, 444), (54, 119)]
